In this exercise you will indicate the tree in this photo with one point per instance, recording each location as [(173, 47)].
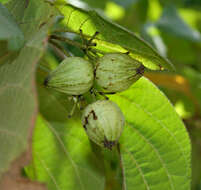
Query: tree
[(36, 135)]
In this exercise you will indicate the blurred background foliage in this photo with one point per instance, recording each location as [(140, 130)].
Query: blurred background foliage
[(173, 27)]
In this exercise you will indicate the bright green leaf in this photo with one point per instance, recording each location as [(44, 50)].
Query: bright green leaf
[(155, 145), (111, 37), (63, 156)]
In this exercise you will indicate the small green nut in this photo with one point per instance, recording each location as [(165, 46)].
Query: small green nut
[(103, 122), (74, 76), (115, 72)]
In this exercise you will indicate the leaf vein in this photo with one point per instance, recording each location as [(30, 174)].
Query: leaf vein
[(158, 154), (66, 153), (138, 167), (161, 124)]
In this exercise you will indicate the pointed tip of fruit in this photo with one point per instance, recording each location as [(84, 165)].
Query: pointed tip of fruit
[(141, 69), (45, 83), (108, 144)]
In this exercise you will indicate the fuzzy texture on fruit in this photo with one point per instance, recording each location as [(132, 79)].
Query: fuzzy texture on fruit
[(74, 76), (103, 122), (115, 72)]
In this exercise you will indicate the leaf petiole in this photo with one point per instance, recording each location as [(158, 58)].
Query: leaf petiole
[(59, 48), (81, 46)]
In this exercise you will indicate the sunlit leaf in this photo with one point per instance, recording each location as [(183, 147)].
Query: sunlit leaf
[(111, 37), (63, 157), (155, 145)]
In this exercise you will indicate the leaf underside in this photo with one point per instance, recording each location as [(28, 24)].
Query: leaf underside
[(111, 37)]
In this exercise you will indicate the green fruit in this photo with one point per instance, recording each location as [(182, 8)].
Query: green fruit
[(103, 122), (74, 76), (115, 72)]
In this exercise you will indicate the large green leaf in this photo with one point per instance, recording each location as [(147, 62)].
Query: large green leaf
[(9, 30), (17, 87), (155, 146), (111, 37)]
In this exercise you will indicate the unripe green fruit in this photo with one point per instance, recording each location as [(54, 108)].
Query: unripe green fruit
[(74, 76), (103, 122), (115, 72)]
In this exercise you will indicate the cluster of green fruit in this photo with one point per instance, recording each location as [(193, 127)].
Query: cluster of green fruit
[(102, 120)]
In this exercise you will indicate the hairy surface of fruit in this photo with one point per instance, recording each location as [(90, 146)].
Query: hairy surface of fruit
[(115, 72), (74, 76), (103, 122)]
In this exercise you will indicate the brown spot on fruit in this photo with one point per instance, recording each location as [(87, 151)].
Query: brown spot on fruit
[(45, 83), (94, 115), (108, 144), (86, 120)]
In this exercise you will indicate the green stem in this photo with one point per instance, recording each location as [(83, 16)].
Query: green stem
[(75, 99), (60, 48), (121, 166), (67, 40), (76, 44), (71, 31)]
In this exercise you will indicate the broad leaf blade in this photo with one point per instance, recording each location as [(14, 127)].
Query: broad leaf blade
[(112, 37), (17, 90), (64, 158), (155, 145)]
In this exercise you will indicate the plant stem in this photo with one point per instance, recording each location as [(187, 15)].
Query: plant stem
[(60, 48), (81, 46), (121, 166), (67, 40), (75, 99)]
